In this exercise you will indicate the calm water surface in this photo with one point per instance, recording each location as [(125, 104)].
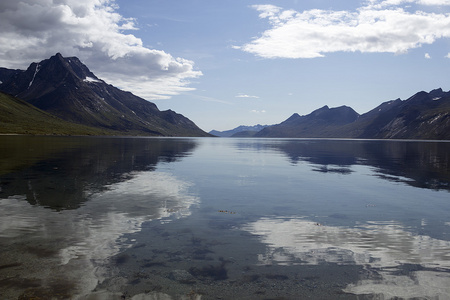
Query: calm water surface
[(210, 218)]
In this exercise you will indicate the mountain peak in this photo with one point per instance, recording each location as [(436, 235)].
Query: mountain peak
[(342, 114), (437, 93), (57, 56), (293, 118), (66, 88)]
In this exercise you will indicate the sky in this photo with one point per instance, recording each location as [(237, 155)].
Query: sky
[(241, 62)]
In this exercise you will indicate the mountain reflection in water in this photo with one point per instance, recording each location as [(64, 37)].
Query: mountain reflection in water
[(424, 164), (61, 172), (102, 189), (167, 218)]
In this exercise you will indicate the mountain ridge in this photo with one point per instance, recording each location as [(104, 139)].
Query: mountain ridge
[(321, 122), (425, 115), (66, 88), (240, 130)]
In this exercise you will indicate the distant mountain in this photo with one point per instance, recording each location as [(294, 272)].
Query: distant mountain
[(240, 130), (422, 116), (66, 88), (323, 122), (244, 134)]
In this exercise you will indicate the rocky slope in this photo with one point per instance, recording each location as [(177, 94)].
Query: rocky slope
[(20, 117), (422, 116)]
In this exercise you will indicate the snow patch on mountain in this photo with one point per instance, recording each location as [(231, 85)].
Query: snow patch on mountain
[(90, 79), (34, 75)]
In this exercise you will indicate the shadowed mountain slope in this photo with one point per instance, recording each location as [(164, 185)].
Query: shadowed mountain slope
[(323, 122), (422, 116), (20, 117)]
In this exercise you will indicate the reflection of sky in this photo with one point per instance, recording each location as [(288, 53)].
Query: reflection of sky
[(382, 246), (88, 236), (123, 208), (17, 217)]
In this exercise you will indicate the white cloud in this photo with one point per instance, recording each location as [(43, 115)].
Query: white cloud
[(381, 26), (448, 55), (246, 96), (254, 111), (92, 30), (426, 2), (385, 3), (427, 56)]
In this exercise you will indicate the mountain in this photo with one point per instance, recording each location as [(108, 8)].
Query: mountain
[(422, 116), (66, 88), (239, 131), (245, 134), (323, 122), (5, 74), (20, 117)]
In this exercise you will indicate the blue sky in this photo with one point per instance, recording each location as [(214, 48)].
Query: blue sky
[(229, 63)]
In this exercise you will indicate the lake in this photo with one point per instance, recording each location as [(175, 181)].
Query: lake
[(222, 218)]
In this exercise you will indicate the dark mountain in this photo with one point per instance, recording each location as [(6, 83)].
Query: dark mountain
[(323, 122), (66, 88), (244, 134), (239, 131), (20, 117), (5, 74), (422, 116)]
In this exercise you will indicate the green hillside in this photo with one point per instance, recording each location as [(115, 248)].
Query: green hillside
[(20, 117)]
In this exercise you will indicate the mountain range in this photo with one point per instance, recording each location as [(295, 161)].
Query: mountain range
[(240, 131), (422, 116), (62, 96), (66, 90)]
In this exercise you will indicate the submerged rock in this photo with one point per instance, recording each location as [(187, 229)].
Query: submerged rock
[(181, 276)]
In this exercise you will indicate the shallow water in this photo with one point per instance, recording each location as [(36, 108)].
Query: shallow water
[(208, 218)]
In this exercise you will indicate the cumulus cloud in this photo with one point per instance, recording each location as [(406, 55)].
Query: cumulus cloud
[(92, 30), (380, 26), (427, 56)]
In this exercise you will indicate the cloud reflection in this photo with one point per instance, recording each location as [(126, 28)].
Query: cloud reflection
[(84, 239), (383, 248), (122, 209)]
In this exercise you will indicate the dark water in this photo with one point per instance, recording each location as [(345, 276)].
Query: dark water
[(210, 218)]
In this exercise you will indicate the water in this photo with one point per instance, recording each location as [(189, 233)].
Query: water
[(209, 218)]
